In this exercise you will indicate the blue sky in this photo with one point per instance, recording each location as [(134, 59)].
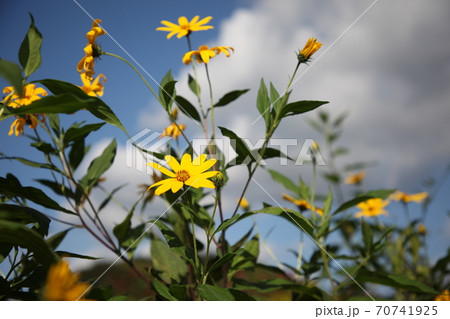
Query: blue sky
[(392, 78)]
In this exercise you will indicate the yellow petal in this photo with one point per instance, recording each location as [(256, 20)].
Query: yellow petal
[(173, 163), (162, 169), (166, 186)]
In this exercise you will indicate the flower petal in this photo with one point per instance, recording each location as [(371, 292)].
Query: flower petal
[(166, 186), (162, 169), (173, 163)]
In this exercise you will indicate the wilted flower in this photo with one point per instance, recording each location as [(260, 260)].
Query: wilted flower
[(204, 54), (173, 131), (185, 27), (91, 51)]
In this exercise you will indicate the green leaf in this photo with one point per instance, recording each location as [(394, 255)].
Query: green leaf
[(162, 290), (63, 103), (30, 49), (263, 102), (11, 187), (214, 293), (290, 215), (74, 133), (110, 196), (133, 238), (122, 230), (300, 107), (230, 97), (285, 181), (167, 90), (275, 100), (226, 223), (273, 152), (167, 261), (57, 188), (193, 85), (174, 242), (367, 236), (53, 120), (44, 147), (244, 154), (396, 281), (63, 253), (327, 203), (381, 193), (36, 164), (99, 166), (187, 108), (239, 295), (56, 239), (77, 153), (25, 215), (58, 87), (12, 73), (20, 235), (178, 291), (225, 259)]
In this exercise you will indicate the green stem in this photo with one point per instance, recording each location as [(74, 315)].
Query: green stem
[(208, 243), (137, 71), (327, 270), (211, 102)]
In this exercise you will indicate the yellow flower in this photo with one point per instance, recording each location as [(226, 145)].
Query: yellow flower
[(91, 51), (62, 284), (29, 94), (96, 87), (317, 210), (95, 31), (355, 178), (244, 204), (445, 296), (406, 198), (185, 27), (173, 131), (310, 48), (175, 113), (372, 207), (188, 172), (16, 127), (301, 203), (203, 54), (422, 230)]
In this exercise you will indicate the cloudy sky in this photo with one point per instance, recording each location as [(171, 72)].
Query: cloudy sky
[(386, 63)]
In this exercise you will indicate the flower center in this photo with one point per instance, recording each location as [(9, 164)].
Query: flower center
[(182, 176)]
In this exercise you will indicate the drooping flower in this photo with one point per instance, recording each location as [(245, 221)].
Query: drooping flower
[(355, 178), (188, 172), (204, 54), (30, 93), (95, 31), (16, 127), (406, 198), (185, 27), (422, 230), (444, 296), (372, 207), (173, 131), (308, 50), (96, 87), (91, 51), (245, 205), (62, 284)]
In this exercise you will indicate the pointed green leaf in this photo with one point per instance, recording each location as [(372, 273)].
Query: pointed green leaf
[(167, 261), (367, 236), (25, 215), (193, 85), (300, 107), (230, 97), (285, 181), (30, 49), (20, 235), (162, 290), (187, 108), (74, 133), (99, 166), (12, 73), (263, 102), (238, 145)]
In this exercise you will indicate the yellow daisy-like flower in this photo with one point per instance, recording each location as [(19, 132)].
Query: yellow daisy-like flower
[(355, 178), (173, 131), (16, 127), (406, 198), (204, 54), (372, 207), (245, 205), (30, 94), (95, 31), (445, 296), (62, 284), (96, 87), (185, 27), (188, 172), (309, 49)]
